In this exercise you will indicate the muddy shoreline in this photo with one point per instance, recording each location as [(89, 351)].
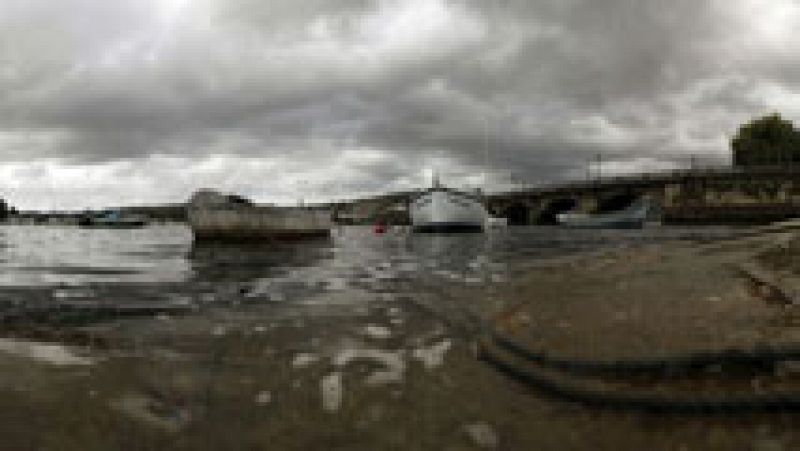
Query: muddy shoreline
[(403, 374)]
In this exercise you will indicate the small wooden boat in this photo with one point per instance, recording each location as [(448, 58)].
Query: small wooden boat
[(216, 216)]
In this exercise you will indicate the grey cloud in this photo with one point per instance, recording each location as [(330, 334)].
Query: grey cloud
[(546, 84)]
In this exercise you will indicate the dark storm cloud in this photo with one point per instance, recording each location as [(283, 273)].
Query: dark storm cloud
[(544, 84)]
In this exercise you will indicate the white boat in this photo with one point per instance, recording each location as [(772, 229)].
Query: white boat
[(440, 209), (635, 216), (215, 216), (496, 222)]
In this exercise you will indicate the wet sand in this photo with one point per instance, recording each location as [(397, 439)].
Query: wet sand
[(401, 374)]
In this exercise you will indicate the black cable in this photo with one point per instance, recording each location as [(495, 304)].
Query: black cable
[(559, 388), (667, 366)]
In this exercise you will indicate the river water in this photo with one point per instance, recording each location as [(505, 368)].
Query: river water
[(99, 274), (160, 264)]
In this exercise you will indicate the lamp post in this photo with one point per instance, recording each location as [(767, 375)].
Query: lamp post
[(599, 172), (301, 186), (485, 153)]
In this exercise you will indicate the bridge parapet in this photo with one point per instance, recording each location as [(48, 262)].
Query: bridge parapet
[(711, 188)]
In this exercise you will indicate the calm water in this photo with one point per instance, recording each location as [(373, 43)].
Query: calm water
[(159, 264)]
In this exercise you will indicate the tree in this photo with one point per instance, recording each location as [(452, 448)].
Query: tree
[(3, 209), (766, 141)]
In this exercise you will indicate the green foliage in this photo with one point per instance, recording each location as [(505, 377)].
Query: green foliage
[(767, 141)]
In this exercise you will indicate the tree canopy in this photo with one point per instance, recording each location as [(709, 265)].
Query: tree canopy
[(766, 141)]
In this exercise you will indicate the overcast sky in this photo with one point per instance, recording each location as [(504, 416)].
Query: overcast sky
[(143, 101)]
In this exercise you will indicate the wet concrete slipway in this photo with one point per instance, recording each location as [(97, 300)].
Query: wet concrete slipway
[(138, 339)]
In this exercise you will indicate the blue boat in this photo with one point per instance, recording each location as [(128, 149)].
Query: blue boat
[(635, 216), (113, 219)]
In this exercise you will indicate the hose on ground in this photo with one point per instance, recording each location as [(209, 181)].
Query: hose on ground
[(668, 366), (562, 389)]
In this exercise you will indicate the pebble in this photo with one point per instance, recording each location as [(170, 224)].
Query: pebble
[(303, 360), (377, 332), (263, 397), (432, 356), (337, 284), (482, 434), (392, 362), (331, 391), (218, 331)]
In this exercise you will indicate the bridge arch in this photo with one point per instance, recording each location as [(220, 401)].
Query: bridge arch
[(616, 201), (554, 207), (517, 214)]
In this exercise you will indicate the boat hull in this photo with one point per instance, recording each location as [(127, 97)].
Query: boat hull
[(257, 223), (494, 222), (260, 235), (633, 217), (125, 225), (221, 221), (442, 227), (440, 210), (113, 220), (591, 223)]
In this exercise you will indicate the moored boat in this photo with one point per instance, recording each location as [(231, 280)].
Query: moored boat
[(635, 216), (496, 222), (216, 216), (440, 209), (113, 219)]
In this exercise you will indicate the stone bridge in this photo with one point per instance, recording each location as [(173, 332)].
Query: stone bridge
[(722, 195)]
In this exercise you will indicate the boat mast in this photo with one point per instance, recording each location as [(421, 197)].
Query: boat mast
[(485, 155), (481, 196)]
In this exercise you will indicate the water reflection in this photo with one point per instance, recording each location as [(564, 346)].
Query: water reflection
[(162, 262), (215, 261), (34, 256)]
